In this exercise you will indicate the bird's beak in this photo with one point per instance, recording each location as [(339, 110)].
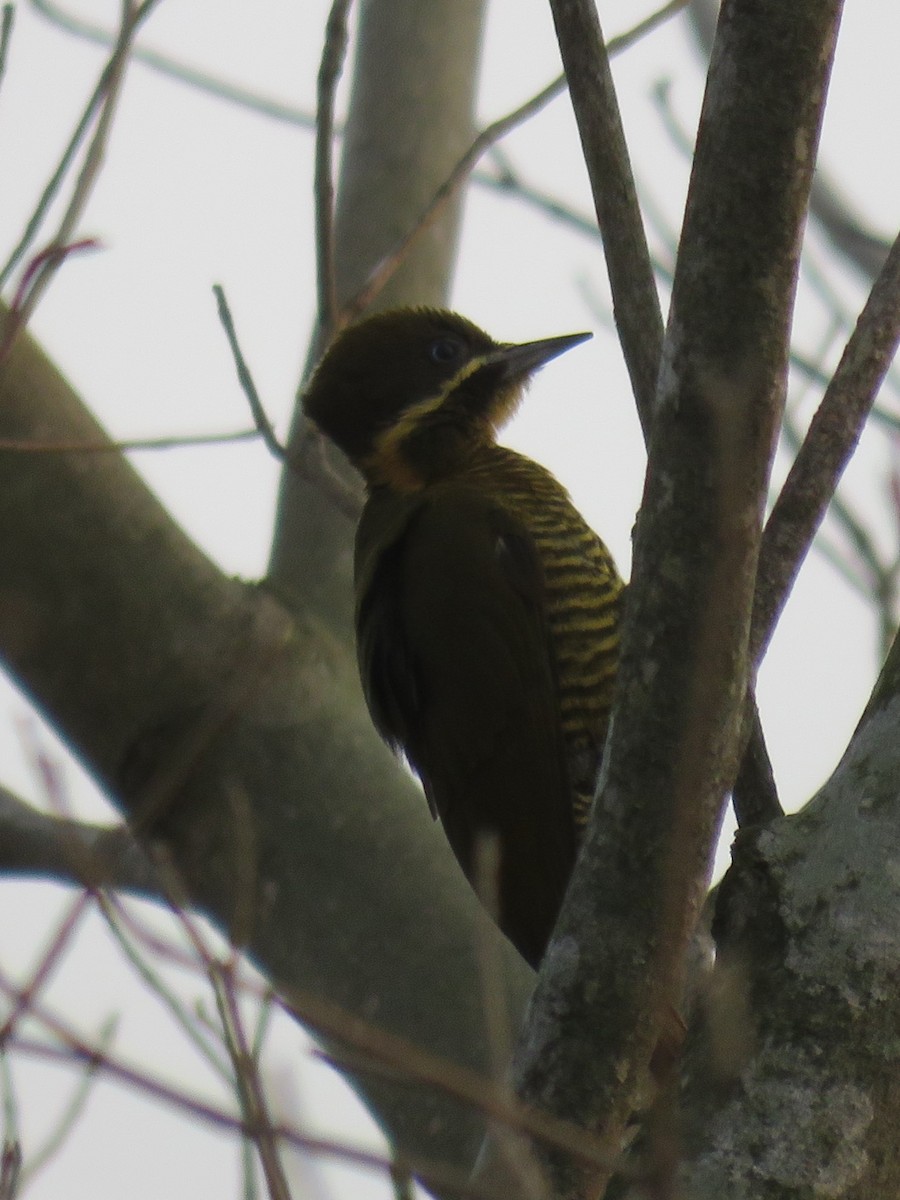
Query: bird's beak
[(518, 361)]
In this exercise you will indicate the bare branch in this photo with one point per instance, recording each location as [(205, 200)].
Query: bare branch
[(109, 88), (6, 28), (614, 968), (245, 377), (55, 183), (374, 1050), (755, 794), (252, 1098), (389, 264), (307, 460), (845, 228), (128, 445), (635, 301), (862, 563), (68, 1118), (333, 54), (74, 1051), (52, 955), (832, 437), (488, 137), (185, 1018), (10, 1168), (33, 843), (171, 68)]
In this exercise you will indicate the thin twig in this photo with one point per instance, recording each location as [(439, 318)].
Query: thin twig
[(814, 372), (866, 556), (11, 1119), (830, 441), (263, 424), (183, 1017), (267, 1003), (509, 181), (433, 1174), (112, 76), (333, 54), (69, 1047), (835, 303), (389, 264), (379, 1052), (173, 442), (87, 177), (58, 944), (164, 948), (72, 1111), (521, 1164), (47, 766), (10, 1165), (252, 1099), (383, 1053), (308, 460), (845, 229), (385, 269), (6, 28), (55, 182), (635, 301), (661, 94), (54, 256), (171, 68), (222, 975), (868, 560)]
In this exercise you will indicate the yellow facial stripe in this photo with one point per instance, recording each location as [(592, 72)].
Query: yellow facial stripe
[(388, 442)]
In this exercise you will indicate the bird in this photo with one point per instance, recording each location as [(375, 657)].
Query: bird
[(487, 611)]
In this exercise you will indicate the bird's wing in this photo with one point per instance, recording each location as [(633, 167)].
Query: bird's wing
[(457, 666)]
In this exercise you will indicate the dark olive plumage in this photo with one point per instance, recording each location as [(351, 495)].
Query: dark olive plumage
[(486, 609)]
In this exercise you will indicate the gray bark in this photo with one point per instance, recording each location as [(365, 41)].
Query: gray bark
[(792, 1087)]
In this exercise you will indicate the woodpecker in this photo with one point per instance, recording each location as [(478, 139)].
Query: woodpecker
[(487, 610)]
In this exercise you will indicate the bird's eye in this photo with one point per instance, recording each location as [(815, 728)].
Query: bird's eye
[(445, 349)]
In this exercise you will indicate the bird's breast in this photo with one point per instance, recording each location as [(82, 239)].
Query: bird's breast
[(582, 596)]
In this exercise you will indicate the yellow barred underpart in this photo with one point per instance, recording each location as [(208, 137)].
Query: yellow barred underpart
[(582, 592)]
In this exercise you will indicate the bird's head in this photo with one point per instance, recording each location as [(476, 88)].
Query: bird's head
[(408, 394)]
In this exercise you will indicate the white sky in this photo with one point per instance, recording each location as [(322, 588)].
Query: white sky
[(196, 192)]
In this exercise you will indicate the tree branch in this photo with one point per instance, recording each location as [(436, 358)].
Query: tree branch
[(635, 301), (101, 106), (33, 843), (171, 68), (488, 137), (806, 992), (238, 736), (614, 967), (828, 446), (7, 16), (844, 228), (333, 54)]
